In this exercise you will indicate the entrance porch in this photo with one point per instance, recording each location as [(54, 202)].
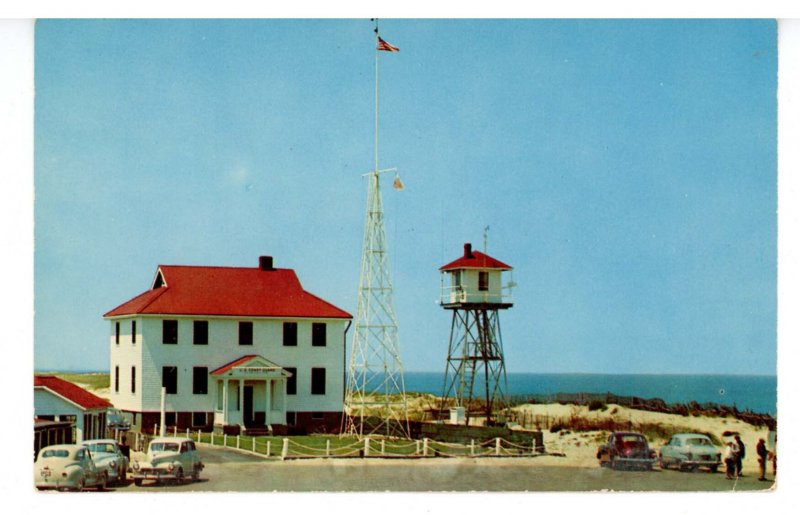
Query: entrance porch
[(251, 394)]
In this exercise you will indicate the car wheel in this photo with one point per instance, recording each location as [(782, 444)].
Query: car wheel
[(103, 482), (179, 475), (713, 469), (662, 463), (195, 475), (137, 482), (80, 485), (123, 476)]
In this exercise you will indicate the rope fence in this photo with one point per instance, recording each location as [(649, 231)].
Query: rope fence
[(283, 448)]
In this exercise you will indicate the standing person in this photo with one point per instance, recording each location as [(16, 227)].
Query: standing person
[(730, 460), (761, 450), (739, 455), (124, 448)]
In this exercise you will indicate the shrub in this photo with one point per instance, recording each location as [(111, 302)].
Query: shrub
[(597, 405)]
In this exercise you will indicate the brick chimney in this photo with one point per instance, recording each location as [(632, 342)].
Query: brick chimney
[(265, 263), (468, 251)]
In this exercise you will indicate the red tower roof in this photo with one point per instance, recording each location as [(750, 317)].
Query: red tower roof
[(261, 291), (71, 392), (475, 259)]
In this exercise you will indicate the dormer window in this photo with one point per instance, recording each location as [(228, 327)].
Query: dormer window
[(158, 282)]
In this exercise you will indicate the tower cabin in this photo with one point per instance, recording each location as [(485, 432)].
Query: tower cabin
[(475, 280)]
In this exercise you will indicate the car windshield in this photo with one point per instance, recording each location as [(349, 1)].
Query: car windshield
[(629, 439), (163, 446), (55, 453), (101, 447), (698, 441)]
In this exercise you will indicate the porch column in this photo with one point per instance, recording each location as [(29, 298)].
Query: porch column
[(225, 401), (239, 399), (268, 397)]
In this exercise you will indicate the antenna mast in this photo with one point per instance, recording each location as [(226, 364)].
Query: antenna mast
[(375, 400)]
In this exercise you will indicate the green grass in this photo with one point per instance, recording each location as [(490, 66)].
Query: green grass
[(312, 445), (94, 381)]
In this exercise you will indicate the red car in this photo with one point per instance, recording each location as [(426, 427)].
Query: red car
[(626, 450)]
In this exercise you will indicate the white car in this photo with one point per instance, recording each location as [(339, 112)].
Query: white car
[(689, 451), (67, 467), (169, 458), (107, 456)]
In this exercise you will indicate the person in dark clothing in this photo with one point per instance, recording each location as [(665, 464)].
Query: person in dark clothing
[(124, 449), (739, 455), (761, 450)]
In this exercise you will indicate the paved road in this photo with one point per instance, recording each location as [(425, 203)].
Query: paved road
[(232, 471)]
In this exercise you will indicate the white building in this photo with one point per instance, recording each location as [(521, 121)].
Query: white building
[(61, 401), (233, 346)]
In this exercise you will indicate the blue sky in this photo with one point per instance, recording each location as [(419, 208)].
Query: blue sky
[(627, 170)]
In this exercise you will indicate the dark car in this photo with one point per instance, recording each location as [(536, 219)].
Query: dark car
[(626, 450)]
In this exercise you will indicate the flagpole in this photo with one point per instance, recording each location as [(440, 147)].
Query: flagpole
[(376, 95)]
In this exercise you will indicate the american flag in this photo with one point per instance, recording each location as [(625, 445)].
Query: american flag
[(386, 47)]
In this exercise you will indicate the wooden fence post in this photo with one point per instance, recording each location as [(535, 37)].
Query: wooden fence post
[(472, 447), (285, 450), (425, 446), (497, 446), (366, 446), (268, 447), (327, 448)]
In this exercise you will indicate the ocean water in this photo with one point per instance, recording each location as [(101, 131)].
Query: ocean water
[(756, 393)]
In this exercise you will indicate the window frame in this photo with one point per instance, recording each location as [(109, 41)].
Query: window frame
[(290, 334), (164, 377), (203, 332), (167, 331), (291, 381), (133, 379), (198, 372), (133, 332), (243, 335), (483, 280), (116, 379), (318, 382), (319, 334)]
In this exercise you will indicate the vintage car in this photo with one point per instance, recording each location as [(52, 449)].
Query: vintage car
[(115, 419), (108, 456), (626, 450), (168, 458), (67, 467), (689, 451)]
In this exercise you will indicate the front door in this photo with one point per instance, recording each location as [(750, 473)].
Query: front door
[(248, 406)]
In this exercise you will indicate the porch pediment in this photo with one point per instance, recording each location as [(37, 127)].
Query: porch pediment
[(251, 366)]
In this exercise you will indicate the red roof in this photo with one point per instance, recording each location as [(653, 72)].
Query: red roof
[(224, 368), (71, 392), (228, 291), (475, 259)]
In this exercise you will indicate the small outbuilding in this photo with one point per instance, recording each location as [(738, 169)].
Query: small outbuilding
[(57, 400)]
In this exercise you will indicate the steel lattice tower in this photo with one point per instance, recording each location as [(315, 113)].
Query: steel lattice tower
[(375, 400), (475, 370)]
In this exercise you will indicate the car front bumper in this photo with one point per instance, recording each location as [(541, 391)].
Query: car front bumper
[(153, 474)]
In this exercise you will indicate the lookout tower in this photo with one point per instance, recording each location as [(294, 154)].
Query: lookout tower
[(473, 289)]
